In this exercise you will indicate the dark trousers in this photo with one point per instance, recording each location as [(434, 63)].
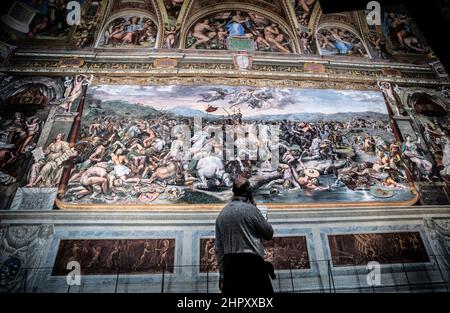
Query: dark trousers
[(246, 273)]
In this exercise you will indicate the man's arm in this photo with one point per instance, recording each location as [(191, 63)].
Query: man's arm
[(219, 250), (262, 227)]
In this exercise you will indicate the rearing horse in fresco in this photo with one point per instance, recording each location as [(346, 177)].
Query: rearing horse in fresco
[(212, 167)]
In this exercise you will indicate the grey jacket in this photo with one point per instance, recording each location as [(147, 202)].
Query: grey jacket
[(240, 227)]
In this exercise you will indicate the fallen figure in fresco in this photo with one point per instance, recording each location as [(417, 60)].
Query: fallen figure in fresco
[(135, 160)]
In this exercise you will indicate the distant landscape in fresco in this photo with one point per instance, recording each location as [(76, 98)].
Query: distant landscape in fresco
[(334, 146)]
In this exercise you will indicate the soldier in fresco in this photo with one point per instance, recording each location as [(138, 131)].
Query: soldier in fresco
[(144, 158), (96, 175)]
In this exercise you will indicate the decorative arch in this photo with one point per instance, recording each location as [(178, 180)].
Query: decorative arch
[(50, 88), (233, 6), (147, 21), (314, 19), (357, 40), (427, 104)]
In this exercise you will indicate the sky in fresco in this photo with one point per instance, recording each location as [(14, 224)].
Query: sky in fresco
[(282, 101)]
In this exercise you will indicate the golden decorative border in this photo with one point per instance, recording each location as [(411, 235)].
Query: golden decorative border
[(230, 81)]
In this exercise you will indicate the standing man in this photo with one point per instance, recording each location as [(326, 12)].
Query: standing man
[(239, 230)]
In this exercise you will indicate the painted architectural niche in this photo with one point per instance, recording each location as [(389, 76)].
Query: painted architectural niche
[(303, 13), (285, 253), (37, 116), (398, 37), (131, 137), (31, 22), (129, 31), (337, 40), (238, 30), (422, 115)]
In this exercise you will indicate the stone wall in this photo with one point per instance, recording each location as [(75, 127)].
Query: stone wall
[(99, 241)]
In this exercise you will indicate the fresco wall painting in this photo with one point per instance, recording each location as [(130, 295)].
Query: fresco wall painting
[(37, 116), (285, 253), (129, 31), (108, 257), (123, 152), (255, 27), (221, 30), (422, 115), (128, 150), (385, 248)]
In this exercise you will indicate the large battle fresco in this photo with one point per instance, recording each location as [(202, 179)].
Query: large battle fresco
[(145, 145)]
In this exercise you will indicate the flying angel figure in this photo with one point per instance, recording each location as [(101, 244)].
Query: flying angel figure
[(219, 94), (253, 98)]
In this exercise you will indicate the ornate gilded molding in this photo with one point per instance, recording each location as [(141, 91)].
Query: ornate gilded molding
[(292, 18), (205, 80), (161, 28)]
